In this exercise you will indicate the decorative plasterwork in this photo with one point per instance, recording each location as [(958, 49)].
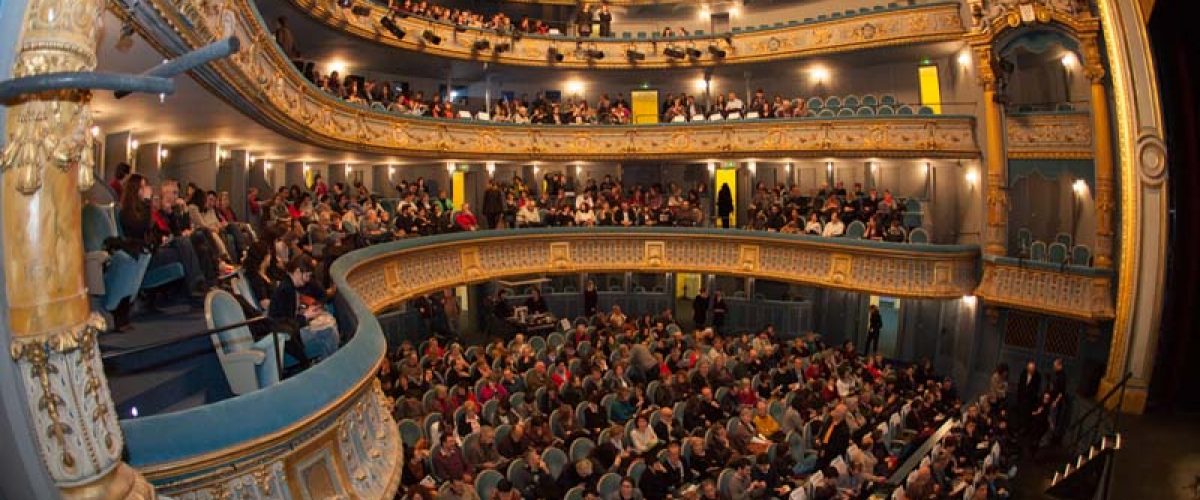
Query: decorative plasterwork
[(359, 443), (1050, 135), (1060, 292), (931, 23), (394, 277), (271, 90)]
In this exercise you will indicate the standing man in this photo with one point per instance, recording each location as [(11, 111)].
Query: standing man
[(1029, 389), (583, 21), (719, 311), (834, 438), (874, 325), (700, 309), (1058, 393), (605, 21), (493, 205), (724, 205)]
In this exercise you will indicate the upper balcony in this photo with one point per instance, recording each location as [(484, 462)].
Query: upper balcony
[(835, 32), (262, 83)]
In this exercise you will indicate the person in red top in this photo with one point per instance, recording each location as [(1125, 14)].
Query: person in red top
[(466, 219), (119, 176), (319, 186)]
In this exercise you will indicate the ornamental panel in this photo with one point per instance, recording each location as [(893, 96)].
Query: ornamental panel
[(1084, 294), (1050, 135)]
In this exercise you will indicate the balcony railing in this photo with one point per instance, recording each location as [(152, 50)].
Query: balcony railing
[(1050, 134), (1079, 292), (890, 26)]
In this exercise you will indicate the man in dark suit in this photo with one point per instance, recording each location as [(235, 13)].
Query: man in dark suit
[(834, 438), (700, 308), (1029, 388), (874, 325), (605, 17)]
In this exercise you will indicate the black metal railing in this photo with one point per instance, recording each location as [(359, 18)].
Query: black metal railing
[(110, 355), (1102, 419)]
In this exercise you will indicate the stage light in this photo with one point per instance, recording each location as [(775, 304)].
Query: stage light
[(716, 52), (674, 53), (430, 37), (345, 4), (554, 54), (594, 54), (391, 26), (694, 53), (502, 47), (634, 55), (481, 45), (458, 28)]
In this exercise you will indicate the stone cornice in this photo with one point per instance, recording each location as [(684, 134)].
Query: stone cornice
[(1050, 135), (897, 26), (391, 274), (1069, 291), (266, 86)]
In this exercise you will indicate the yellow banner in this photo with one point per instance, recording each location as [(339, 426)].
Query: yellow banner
[(644, 106), (931, 91)]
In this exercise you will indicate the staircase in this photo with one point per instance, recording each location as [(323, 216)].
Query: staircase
[(1093, 446), (1088, 475)]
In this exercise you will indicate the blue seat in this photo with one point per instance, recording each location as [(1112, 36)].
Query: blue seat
[(845, 112), (833, 102), (1057, 253), (1081, 255), (1064, 238), (856, 230), (826, 113), (609, 485), (888, 99), (1024, 240), (815, 103), (486, 481), (248, 365), (865, 111), (410, 432), (555, 460), (870, 100), (121, 278), (918, 235), (904, 110), (925, 110), (885, 110), (1037, 251), (851, 101)]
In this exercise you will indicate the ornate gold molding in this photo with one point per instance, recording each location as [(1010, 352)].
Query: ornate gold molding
[(922, 24), (274, 92), (924, 272), (1060, 292), (1050, 135)]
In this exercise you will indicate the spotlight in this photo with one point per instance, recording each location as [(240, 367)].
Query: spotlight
[(391, 26), (481, 45), (635, 55), (554, 54), (400, 14), (694, 53), (430, 37), (460, 28), (360, 10), (716, 51), (503, 47), (345, 4), (594, 54), (674, 53)]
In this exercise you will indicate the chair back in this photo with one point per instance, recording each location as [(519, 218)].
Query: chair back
[(723, 482), (918, 235), (1024, 239), (97, 227), (486, 481), (222, 309), (581, 448), (410, 431), (1037, 251), (856, 229), (518, 474), (555, 460), (1057, 253), (609, 485), (885, 110), (1064, 238), (851, 101), (1081, 255)]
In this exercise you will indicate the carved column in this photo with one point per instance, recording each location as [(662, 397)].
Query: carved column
[(996, 234), (1102, 140), (45, 162)]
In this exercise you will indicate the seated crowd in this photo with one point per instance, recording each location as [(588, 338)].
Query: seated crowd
[(464, 17), (628, 408)]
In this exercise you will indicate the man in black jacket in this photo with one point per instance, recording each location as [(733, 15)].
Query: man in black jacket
[(1029, 389), (834, 438), (874, 325), (493, 205), (700, 308)]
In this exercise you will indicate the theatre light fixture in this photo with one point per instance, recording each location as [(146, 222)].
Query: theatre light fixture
[(674, 53), (554, 54), (481, 45), (431, 37), (716, 52), (634, 55), (502, 47), (594, 54), (392, 27), (694, 53)]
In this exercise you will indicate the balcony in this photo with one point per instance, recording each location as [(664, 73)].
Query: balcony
[(1050, 135), (262, 83), (1083, 293), (837, 33)]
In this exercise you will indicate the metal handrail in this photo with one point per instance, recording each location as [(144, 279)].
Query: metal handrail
[(1101, 404), (142, 348)]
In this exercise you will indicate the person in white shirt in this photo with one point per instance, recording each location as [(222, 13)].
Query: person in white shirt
[(733, 104), (813, 226), (643, 437), (834, 228), (528, 215), (585, 216), (584, 199)]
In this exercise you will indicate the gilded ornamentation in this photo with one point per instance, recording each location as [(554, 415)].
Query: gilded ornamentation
[(1063, 293), (924, 23), (78, 436), (1051, 135)]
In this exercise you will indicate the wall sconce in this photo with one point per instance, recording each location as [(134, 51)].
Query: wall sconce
[(535, 170), (391, 171), (348, 170), (964, 58), (95, 130), (969, 300), (450, 168), (829, 167), (267, 166), (1080, 186), (162, 152), (133, 145), (578, 170), (1070, 60), (752, 167), (789, 168), (304, 167), (972, 177), (491, 168), (712, 167)]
